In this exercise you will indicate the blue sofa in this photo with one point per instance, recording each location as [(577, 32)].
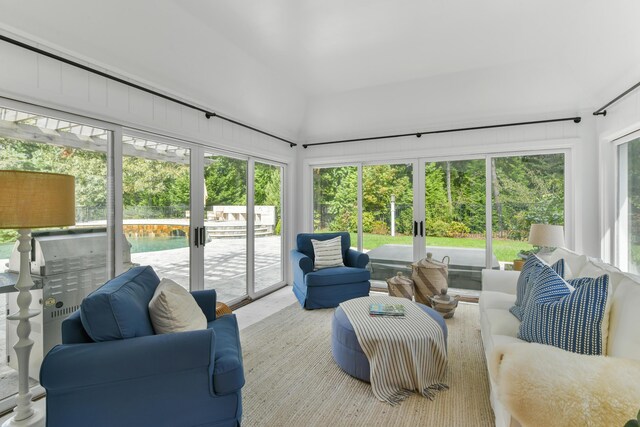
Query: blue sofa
[(328, 287), (112, 370)]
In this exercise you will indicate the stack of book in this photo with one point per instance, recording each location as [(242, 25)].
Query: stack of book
[(386, 310)]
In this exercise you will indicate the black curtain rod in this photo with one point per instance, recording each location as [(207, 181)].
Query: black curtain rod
[(419, 134), (208, 114), (602, 111)]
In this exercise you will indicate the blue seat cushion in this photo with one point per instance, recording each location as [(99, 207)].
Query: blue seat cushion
[(337, 276), (228, 374), (119, 309)]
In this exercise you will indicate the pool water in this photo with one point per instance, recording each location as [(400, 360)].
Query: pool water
[(5, 250), (139, 245), (153, 244)]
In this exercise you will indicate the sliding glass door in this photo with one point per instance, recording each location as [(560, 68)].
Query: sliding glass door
[(387, 218), (267, 236), (156, 197), (455, 219), (242, 242), (440, 207), (225, 226)]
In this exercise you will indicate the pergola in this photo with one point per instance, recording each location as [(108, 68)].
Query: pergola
[(36, 128)]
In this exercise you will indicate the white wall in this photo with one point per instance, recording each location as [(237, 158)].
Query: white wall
[(29, 77), (580, 139)]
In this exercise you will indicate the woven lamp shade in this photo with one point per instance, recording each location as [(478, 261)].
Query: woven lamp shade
[(546, 235), (36, 199)]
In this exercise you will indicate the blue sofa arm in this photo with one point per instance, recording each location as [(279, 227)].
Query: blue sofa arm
[(301, 265), (356, 259), (75, 366), (207, 301)]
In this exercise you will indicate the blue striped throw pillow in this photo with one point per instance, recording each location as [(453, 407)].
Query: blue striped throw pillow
[(573, 319), (530, 271)]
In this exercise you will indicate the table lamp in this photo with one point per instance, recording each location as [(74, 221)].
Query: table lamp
[(546, 236), (31, 200)]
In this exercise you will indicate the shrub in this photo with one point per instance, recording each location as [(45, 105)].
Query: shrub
[(8, 236), (278, 228), (379, 227), (457, 229), (436, 228)]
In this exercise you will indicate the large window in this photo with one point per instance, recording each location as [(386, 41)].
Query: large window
[(628, 235), (413, 208)]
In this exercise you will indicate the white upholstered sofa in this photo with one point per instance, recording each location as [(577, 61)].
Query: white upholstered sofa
[(499, 330)]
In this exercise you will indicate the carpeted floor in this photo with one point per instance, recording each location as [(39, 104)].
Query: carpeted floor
[(292, 380)]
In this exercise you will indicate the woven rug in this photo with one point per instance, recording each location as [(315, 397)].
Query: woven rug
[(292, 380)]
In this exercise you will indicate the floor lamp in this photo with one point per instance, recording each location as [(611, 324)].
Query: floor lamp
[(31, 200)]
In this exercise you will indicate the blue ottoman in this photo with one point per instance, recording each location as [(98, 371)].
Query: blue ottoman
[(347, 351)]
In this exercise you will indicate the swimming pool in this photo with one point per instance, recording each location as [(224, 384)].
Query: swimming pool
[(5, 250), (138, 245), (154, 244)]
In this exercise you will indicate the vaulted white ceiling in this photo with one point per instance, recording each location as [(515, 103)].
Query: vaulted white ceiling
[(328, 68)]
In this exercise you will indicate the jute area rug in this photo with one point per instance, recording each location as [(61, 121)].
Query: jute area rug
[(292, 380)]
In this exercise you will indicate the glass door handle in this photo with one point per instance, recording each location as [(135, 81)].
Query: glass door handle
[(421, 228), (415, 228), (202, 242), (196, 237)]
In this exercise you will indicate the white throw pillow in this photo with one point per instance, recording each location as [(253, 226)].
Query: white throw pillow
[(327, 253), (173, 309)]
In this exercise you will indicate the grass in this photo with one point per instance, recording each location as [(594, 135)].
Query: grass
[(505, 250)]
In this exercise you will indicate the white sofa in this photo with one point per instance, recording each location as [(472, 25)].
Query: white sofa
[(499, 327)]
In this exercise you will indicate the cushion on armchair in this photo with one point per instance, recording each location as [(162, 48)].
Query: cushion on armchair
[(337, 276), (304, 245), (119, 309), (174, 309), (327, 253)]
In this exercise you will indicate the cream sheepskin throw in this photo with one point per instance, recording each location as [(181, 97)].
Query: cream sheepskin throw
[(543, 385)]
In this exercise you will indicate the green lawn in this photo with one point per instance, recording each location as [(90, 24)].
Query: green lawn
[(505, 250)]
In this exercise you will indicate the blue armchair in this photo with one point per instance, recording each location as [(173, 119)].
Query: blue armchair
[(328, 287), (112, 370)]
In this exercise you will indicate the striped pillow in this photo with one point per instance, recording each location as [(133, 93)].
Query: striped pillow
[(327, 253), (530, 271), (573, 319)]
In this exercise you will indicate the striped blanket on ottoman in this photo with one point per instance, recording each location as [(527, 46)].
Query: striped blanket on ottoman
[(405, 354)]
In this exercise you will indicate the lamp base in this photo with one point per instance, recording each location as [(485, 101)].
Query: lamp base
[(35, 420)]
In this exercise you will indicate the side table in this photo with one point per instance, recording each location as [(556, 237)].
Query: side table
[(222, 309)]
